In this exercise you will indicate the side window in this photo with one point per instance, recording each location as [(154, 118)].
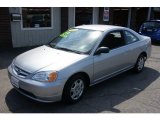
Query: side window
[(113, 40), (130, 38)]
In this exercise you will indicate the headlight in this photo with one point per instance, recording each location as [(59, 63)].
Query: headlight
[(48, 76)]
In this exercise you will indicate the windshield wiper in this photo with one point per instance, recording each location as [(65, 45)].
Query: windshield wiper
[(66, 49), (61, 48)]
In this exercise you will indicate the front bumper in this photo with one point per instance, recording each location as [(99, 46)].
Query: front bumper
[(39, 91)]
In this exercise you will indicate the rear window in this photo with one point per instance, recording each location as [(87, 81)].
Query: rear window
[(151, 25)]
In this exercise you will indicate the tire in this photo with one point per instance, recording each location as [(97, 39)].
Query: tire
[(139, 66), (74, 89)]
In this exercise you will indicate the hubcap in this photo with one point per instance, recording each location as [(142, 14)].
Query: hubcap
[(77, 89), (140, 63)]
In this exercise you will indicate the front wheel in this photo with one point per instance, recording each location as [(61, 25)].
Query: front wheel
[(74, 89), (139, 64)]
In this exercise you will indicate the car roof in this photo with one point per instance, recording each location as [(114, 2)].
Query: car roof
[(99, 27)]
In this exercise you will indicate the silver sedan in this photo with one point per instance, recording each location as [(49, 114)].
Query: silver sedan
[(78, 58)]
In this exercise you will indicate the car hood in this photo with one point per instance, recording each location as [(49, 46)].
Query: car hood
[(43, 56)]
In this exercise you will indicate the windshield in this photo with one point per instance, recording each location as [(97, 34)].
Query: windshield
[(76, 40), (151, 24)]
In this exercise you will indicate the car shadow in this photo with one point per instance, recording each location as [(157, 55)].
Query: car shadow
[(8, 54), (99, 98)]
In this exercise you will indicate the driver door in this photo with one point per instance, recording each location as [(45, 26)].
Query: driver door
[(107, 64)]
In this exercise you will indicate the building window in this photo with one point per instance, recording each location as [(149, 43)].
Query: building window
[(36, 17)]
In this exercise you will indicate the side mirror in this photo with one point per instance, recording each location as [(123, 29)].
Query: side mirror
[(102, 50)]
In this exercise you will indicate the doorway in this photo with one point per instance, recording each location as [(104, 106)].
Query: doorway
[(83, 15), (141, 16), (5, 28), (120, 16)]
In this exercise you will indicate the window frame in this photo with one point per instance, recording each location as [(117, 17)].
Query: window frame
[(122, 33), (131, 34), (39, 28)]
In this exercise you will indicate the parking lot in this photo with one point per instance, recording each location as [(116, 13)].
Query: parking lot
[(128, 92)]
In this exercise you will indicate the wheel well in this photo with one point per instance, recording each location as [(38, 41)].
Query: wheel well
[(82, 74), (144, 53)]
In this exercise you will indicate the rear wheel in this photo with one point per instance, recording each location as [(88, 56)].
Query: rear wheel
[(140, 63), (74, 89)]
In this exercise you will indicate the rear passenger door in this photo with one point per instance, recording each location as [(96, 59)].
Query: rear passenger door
[(107, 64)]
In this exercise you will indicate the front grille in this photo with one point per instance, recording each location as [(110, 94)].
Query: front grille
[(20, 72)]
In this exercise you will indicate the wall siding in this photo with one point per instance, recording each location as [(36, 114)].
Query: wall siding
[(22, 38)]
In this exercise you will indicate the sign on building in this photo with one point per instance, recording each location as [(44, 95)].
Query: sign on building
[(106, 14)]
